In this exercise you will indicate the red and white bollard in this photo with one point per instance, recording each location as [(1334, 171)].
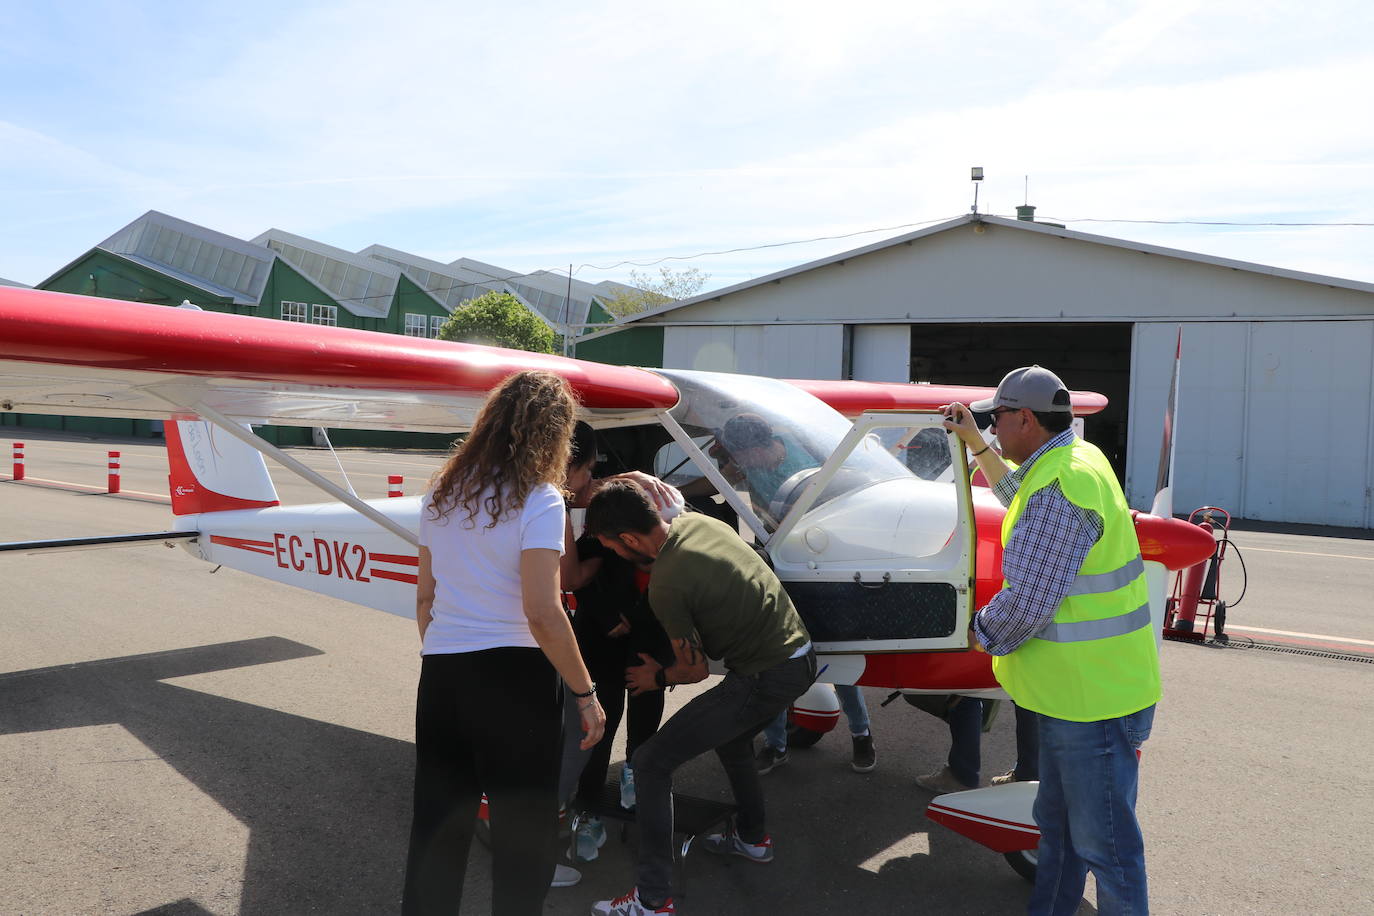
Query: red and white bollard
[(113, 480), (18, 461), (393, 484)]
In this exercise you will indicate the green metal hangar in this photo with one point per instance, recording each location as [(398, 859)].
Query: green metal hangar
[(1277, 375), (161, 259)]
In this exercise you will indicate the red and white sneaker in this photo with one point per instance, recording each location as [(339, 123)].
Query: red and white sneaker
[(631, 905), (729, 844)]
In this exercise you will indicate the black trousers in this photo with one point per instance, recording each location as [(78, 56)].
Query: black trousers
[(607, 660), (488, 721)]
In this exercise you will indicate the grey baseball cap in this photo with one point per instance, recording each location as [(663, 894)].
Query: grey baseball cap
[(1031, 386)]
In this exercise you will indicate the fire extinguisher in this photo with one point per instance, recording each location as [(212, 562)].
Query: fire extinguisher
[(1183, 606)]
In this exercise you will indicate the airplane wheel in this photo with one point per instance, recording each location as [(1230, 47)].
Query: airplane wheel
[(1023, 862), (799, 736)]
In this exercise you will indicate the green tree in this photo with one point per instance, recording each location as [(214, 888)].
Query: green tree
[(499, 320), (646, 291)]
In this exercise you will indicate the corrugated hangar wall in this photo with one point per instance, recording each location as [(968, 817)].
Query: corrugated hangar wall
[(1274, 416), (1273, 422)]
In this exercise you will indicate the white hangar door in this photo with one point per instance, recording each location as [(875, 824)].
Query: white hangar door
[(1273, 421), (1307, 449), (773, 351)]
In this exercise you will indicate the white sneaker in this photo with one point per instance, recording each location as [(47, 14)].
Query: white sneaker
[(631, 905), (627, 787), (563, 876), (729, 844)]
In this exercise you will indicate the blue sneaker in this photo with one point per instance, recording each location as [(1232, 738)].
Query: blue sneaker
[(591, 836), (627, 787)]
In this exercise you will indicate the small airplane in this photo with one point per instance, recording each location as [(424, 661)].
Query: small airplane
[(875, 528)]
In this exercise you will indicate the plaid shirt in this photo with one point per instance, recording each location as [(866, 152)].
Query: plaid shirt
[(1040, 561)]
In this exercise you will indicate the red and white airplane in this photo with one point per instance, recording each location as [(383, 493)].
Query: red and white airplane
[(883, 543)]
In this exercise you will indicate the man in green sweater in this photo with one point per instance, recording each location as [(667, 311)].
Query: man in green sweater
[(716, 598)]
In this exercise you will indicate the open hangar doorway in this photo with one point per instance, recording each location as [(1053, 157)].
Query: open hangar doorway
[(1089, 357)]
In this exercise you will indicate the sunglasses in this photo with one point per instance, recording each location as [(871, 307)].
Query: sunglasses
[(994, 415)]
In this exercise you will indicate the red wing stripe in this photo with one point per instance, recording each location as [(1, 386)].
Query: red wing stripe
[(393, 558), (982, 818), (399, 577), (263, 547)]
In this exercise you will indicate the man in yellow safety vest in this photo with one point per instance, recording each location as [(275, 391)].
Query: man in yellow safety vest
[(1070, 637)]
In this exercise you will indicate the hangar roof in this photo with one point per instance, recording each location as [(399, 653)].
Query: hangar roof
[(756, 289)]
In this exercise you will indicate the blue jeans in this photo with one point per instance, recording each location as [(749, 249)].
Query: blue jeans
[(851, 701), (1086, 813)]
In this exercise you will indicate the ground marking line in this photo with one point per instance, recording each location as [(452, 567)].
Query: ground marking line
[(1358, 642), (1304, 553), (82, 486)]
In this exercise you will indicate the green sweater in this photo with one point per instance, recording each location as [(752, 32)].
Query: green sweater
[(707, 581)]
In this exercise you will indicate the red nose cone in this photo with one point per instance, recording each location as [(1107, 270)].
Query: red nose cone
[(1172, 541)]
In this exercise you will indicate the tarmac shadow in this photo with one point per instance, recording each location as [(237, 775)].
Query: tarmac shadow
[(327, 807)]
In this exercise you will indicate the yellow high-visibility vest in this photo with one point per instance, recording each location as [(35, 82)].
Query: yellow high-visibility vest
[(1097, 658)]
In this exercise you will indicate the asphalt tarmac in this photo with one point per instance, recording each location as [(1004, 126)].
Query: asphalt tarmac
[(179, 741)]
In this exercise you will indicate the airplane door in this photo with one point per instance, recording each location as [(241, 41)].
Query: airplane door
[(876, 546)]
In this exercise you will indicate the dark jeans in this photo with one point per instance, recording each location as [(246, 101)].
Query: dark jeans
[(724, 719), (491, 722), (966, 735)]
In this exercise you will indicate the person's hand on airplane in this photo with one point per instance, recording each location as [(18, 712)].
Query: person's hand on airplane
[(959, 420)]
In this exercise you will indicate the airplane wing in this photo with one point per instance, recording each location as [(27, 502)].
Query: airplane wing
[(853, 398), (80, 355)]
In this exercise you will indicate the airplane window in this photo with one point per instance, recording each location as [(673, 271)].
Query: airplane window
[(925, 452), (768, 438), (673, 465)]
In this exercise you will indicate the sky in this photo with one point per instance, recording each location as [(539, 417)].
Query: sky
[(538, 135)]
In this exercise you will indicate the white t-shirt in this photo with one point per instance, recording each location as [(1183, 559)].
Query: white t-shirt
[(477, 599)]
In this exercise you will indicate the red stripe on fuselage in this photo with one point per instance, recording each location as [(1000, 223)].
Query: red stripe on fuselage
[(393, 558), (262, 547), (409, 578)]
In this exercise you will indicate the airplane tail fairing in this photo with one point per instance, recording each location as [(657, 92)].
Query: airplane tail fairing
[(211, 471)]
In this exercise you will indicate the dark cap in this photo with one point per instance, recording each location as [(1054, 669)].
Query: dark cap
[(1031, 386)]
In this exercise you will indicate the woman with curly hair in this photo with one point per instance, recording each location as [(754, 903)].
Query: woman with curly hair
[(495, 643)]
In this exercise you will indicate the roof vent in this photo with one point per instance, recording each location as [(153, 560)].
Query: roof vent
[(1026, 213)]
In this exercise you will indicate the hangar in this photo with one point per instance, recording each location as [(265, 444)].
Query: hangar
[(1277, 373)]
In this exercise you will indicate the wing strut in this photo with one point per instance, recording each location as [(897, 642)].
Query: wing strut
[(291, 464)]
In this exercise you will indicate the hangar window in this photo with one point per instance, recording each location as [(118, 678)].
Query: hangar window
[(415, 325), (324, 314), (435, 323), (294, 311)]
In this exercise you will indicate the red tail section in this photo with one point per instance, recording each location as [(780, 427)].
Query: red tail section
[(214, 473)]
